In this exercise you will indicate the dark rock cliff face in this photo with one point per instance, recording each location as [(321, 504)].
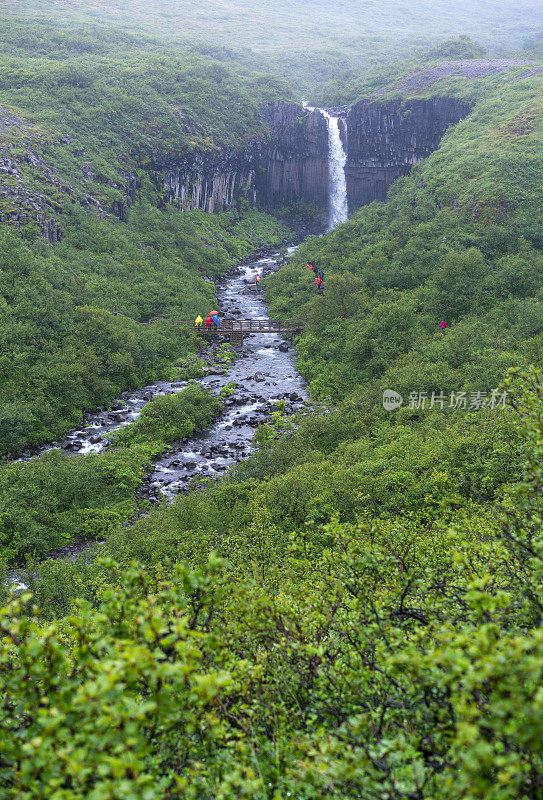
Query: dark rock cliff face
[(293, 163), (288, 164), (385, 140)]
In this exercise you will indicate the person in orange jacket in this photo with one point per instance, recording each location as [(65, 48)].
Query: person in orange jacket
[(318, 281)]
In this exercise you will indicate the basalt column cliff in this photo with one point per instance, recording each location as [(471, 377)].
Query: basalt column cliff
[(293, 165), (288, 163), (386, 139)]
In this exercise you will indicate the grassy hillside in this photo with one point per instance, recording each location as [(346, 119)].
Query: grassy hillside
[(92, 105), (307, 41), (356, 611), (80, 112), (310, 23)]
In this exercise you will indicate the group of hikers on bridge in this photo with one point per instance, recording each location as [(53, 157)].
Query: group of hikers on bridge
[(212, 322)]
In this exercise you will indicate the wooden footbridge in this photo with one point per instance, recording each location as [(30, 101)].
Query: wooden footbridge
[(233, 329), (236, 329)]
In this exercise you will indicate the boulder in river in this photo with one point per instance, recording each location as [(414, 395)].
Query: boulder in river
[(283, 347), (258, 376)]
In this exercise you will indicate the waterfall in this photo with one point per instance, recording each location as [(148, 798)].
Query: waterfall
[(337, 158)]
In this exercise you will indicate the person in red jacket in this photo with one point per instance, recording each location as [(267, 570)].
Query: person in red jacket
[(209, 322), (318, 281)]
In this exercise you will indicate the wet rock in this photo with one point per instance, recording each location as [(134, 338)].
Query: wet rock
[(116, 405), (95, 439), (258, 376), (147, 397), (190, 465), (283, 347)]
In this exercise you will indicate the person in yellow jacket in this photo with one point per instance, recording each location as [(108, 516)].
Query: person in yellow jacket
[(198, 322)]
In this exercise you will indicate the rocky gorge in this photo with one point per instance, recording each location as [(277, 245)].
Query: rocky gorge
[(383, 140), (287, 164)]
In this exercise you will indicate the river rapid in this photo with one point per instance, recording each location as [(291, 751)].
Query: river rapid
[(263, 373)]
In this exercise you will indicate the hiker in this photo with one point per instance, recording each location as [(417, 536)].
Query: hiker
[(257, 279), (312, 268), (198, 322), (318, 281), (320, 274), (215, 318)]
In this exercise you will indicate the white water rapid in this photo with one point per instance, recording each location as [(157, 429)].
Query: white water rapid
[(337, 159)]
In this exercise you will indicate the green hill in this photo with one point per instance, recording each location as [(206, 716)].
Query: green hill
[(82, 114), (355, 611), (308, 41)]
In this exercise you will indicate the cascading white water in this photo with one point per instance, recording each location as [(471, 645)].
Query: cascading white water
[(337, 158)]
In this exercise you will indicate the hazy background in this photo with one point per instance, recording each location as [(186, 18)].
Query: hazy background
[(305, 40)]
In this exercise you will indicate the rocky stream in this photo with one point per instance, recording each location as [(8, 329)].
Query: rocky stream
[(263, 373)]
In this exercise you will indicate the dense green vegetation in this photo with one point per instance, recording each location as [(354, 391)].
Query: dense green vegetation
[(47, 501), (62, 350), (391, 656), (356, 610)]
